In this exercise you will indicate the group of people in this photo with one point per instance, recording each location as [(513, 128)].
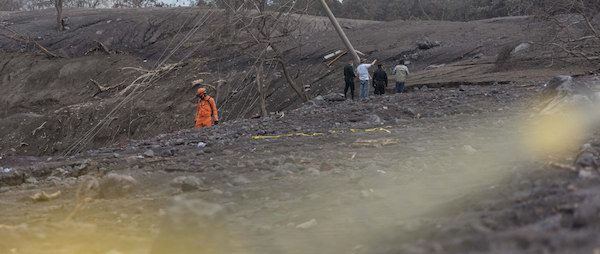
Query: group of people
[(207, 113), (379, 79)]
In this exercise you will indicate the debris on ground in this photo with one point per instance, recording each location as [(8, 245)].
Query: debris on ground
[(187, 183), (287, 135), (306, 225), (469, 149), (116, 186), (427, 44), (376, 143), (43, 196), (184, 219), (371, 130), (11, 177)]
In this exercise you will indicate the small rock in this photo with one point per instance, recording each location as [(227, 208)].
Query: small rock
[(587, 160), (306, 225), (186, 183), (201, 145), (375, 119), (410, 111), (59, 172), (240, 180), (586, 174), (115, 186), (521, 47), (587, 212), (183, 220), (469, 149), (149, 154), (365, 193), (31, 180), (427, 44), (313, 172), (168, 153), (326, 166), (11, 177)]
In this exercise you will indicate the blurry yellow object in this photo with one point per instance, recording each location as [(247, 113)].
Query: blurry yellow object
[(371, 130), (555, 133), (287, 135)]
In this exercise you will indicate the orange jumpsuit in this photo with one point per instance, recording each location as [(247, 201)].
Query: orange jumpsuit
[(206, 111)]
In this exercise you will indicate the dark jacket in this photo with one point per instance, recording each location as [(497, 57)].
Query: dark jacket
[(380, 78), (349, 72)]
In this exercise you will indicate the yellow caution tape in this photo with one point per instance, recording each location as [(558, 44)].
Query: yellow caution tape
[(371, 130), (287, 135)]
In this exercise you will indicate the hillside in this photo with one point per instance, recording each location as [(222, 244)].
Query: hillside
[(62, 94)]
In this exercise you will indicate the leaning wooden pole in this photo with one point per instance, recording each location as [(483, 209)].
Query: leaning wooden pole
[(341, 33)]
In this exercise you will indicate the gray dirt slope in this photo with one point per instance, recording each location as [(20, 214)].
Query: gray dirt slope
[(59, 98)]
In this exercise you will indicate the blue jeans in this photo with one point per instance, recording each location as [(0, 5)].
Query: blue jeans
[(399, 87), (364, 89)]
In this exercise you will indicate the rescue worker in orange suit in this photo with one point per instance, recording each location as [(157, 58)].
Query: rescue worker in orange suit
[(206, 113)]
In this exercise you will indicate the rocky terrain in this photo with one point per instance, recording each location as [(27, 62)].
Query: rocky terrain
[(462, 163), (106, 51)]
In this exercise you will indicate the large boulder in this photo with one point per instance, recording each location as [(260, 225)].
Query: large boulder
[(566, 92)]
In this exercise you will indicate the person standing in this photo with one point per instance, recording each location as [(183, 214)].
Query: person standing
[(400, 74), (380, 80), (206, 111), (364, 77), (349, 76)]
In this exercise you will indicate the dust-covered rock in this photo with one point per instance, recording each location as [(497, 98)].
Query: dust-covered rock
[(190, 227), (426, 44), (149, 154), (187, 183), (11, 177), (240, 180), (587, 212), (313, 171), (306, 225), (469, 149), (586, 160), (116, 186)]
